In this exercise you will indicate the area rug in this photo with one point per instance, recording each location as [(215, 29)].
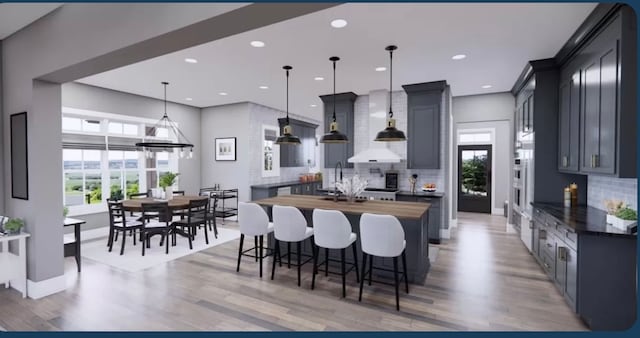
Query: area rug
[(133, 261)]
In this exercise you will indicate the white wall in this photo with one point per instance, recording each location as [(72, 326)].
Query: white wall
[(2, 158), (488, 111)]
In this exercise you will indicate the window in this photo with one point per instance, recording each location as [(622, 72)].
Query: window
[(99, 155), (474, 138), (270, 152)]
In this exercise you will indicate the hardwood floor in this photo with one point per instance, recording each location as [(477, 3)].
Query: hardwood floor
[(483, 279)]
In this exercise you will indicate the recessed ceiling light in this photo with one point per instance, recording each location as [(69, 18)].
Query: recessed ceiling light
[(190, 60), (188, 99), (313, 105), (487, 86), (222, 93), (338, 23), (381, 69), (318, 78), (257, 44), (264, 87), (458, 57)]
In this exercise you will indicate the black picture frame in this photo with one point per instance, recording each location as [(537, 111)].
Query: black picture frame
[(19, 156), (225, 149)]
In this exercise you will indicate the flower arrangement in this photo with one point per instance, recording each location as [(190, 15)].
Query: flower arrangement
[(352, 187), (613, 206), (167, 179), (13, 226), (620, 215)]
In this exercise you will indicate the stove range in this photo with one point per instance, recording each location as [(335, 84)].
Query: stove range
[(380, 194)]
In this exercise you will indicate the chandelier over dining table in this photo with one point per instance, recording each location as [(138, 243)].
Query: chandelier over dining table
[(175, 140)]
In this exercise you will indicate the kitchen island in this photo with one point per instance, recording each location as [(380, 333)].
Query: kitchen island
[(414, 218)]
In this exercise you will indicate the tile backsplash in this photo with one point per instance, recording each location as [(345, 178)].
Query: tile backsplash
[(601, 188)]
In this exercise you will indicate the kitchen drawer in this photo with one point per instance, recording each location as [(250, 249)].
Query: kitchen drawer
[(548, 263), (548, 246), (570, 238), (539, 215)]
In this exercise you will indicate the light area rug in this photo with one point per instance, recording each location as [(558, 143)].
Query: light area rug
[(133, 261)]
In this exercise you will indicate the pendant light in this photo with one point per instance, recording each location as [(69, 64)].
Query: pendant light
[(287, 137), (334, 135), (390, 133), (150, 145)]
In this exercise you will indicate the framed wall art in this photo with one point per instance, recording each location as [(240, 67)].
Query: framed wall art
[(19, 156), (226, 149)]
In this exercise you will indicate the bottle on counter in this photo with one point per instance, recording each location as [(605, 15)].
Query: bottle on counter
[(567, 197), (573, 187)]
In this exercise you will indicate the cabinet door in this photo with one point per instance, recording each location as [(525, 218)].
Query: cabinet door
[(530, 115), (423, 144), (296, 189), (536, 239), (571, 284), (333, 153), (600, 110), (518, 128), (525, 115), (560, 277), (569, 125), (307, 189)]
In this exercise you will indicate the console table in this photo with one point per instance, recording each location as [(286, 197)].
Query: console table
[(72, 243), (13, 267)]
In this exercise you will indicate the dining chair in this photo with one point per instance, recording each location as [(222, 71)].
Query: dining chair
[(212, 206), (332, 231), (156, 219), (178, 193), (196, 216), (383, 236), (118, 223)]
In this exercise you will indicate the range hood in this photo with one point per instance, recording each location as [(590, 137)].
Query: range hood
[(374, 152)]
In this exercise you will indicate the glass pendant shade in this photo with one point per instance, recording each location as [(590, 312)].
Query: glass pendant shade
[(334, 135), (390, 133), (287, 136)]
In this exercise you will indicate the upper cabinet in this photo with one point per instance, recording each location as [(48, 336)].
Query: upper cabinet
[(597, 106), (302, 155), (424, 109), (344, 116)]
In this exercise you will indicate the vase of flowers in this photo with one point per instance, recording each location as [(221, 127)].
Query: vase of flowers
[(167, 180), (352, 187), (612, 206)]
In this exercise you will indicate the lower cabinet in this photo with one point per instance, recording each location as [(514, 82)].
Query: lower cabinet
[(435, 212)]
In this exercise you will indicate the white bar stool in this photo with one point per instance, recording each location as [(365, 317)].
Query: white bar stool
[(289, 226), (383, 236), (253, 221), (332, 230)]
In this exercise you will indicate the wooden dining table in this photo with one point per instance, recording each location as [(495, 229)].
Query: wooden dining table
[(176, 203)]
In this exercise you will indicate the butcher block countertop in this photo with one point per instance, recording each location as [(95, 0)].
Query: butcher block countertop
[(403, 210)]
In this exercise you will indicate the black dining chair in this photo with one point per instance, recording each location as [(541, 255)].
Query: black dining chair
[(118, 223), (196, 217), (156, 220), (178, 193)]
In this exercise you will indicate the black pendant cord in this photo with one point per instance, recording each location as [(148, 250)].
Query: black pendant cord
[(390, 81), (287, 96), (334, 90)]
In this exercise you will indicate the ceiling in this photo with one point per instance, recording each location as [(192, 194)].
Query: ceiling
[(14, 16), (498, 39)]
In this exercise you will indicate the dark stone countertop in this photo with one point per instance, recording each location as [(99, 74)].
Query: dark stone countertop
[(582, 219), (421, 193), (280, 184)]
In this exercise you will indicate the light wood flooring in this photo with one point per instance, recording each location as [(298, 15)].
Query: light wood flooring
[(483, 279)]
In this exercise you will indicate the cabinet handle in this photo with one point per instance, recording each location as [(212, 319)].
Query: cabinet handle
[(562, 253), (593, 161), (565, 161), (549, 245), (547, 266), (596, 161)]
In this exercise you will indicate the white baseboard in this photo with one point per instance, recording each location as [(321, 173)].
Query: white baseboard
[(37, 290), (445, 233), (498, 211), (453, 223), (510, 229)]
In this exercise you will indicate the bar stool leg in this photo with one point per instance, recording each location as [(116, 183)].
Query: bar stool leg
[(326, 262), (364, 268), (261, 242), (344, 286), (315, 265), (240, 252), (395, 276), (255, 245), (355, 261), (370, 267), (289, 255), (299, 247), (276, 255), (404, 268)]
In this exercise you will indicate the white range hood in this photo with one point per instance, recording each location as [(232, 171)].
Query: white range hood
[(375, 152)]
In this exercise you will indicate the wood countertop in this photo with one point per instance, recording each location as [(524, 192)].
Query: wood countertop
[(404, 210)]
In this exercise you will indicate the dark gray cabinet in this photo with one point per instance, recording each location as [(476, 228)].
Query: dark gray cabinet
[(569, 124), (334, 153), (303, 154), (424, 110), (435, 214), (597, 133)]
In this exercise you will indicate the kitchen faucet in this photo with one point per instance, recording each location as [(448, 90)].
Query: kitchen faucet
[(335, 178)]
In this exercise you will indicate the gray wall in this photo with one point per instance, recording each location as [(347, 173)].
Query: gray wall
[(226, 121), (2, 158), (494, 111), (81, 96)]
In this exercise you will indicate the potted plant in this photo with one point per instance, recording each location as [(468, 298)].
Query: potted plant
[(613, 206), (13, 226), (167, 180), (624, 218), (65, 212)]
